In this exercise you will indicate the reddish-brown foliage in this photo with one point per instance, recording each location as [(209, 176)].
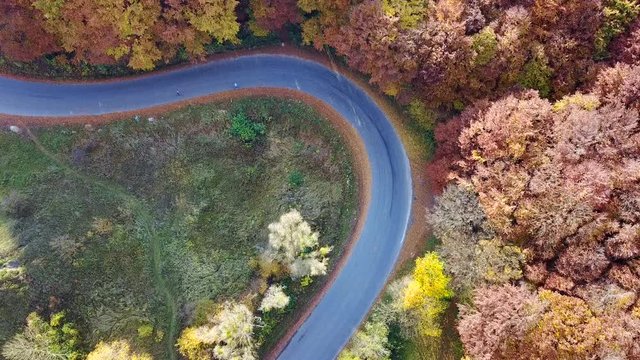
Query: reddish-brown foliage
[(500, 315), (272, 15), (620, 85), (368, 43), (536, 273), (22, 35), (625, 277), (626, 48), (567, 29), (559, 283), (447, 153), (582, 263), (444, 55), (563, 181)]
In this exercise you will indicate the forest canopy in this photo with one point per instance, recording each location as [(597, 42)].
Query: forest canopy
[(555, 186), (534, 107), (444, 52)]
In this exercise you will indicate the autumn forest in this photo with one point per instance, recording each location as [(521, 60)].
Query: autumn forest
[(528, 110)]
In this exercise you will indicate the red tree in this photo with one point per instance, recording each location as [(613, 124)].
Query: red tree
[(22, 35)]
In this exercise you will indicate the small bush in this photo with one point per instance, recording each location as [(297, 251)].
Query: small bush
[(16, 205), (145, 331), (296, 179), (245, 129), (424, 117), (102, 227), (306, 281)]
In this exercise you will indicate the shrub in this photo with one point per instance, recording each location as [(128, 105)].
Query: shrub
[(145, 331), (102, 226), (16, 205), (245, 129), (117, 350), (296, 179), (229, 335), (42, 340)]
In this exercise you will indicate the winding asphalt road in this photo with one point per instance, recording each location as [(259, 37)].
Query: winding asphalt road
[(347, 302)]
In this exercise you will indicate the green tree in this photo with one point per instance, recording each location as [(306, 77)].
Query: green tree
[(43, 340), (485, 46), (618, 15), (410, 12), (537, 73), (499, 263)]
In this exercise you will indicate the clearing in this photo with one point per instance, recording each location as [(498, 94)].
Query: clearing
[(136, 224)]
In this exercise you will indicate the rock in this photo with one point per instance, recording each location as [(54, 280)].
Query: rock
[(15, 129)]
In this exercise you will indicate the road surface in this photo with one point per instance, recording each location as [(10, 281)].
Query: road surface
[(346, 303)]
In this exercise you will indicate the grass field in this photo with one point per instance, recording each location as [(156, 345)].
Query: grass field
[(132, 225)]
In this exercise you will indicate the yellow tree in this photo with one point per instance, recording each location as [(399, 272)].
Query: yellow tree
[(410, 12), (116, 350), (135, 28), (216, 18), (567, 330), (427, 293), (328, 16), (124, 29), (227, 336)]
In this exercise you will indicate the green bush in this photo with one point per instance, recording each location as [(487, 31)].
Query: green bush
[(296, 179), (145, 331), (16, 205), (245, 129), (424, 117)]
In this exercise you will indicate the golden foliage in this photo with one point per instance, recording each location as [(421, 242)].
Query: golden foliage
[(428, 292)]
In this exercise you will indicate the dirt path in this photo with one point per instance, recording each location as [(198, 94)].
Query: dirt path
[(146, 221)]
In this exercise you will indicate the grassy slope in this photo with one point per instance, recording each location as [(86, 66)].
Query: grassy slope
[(186, 206)]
